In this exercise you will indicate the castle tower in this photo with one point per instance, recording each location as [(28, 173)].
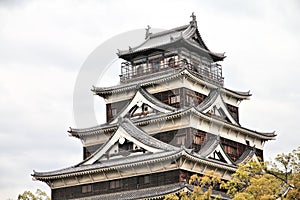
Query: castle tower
[(170, 117)]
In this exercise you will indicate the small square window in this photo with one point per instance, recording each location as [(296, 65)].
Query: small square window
[(180, 139), (174, 99), (115, 184), (114, 111), (146, 179), (86, 188)]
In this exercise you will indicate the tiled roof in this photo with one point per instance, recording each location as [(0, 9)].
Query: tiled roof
[(170, 75), (163, 39), (143, 137), (106, 164), (248, 153), (208, 101), (215, 98), (209, 146), (154, 100), (184, 111), (129, 162), (145, 193), (157, 40), (134, 132), (151, 193)]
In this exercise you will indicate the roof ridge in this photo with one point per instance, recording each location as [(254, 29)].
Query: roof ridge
[(154, 35)]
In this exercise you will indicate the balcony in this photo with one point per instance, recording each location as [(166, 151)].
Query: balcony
[(211, 73)]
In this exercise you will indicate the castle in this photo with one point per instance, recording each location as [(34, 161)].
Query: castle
[(170, 117)]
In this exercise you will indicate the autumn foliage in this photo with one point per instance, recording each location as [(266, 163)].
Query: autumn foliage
[(253, 180)]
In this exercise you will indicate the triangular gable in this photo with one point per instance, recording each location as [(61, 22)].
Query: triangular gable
[(214, 105), (220, 155), (212, 149), (192, 34), (128, 134), (143, 104)]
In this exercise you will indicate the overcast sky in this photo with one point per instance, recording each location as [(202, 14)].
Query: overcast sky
[(44, 44)]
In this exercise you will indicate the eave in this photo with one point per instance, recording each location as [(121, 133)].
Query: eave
[(177, 114), (99, 168), (106, 91)]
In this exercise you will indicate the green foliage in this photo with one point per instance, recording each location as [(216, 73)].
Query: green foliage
[(258, 180), (253, 180), (39, 195)]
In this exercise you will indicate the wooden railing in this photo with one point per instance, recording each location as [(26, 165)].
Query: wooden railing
[(132, 73)]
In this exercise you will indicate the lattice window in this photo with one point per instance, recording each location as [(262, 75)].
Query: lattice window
[(233, 149), (180, 139), (199, 137), (174, 99)]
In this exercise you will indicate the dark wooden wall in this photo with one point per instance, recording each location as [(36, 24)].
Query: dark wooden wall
[(119, 185)]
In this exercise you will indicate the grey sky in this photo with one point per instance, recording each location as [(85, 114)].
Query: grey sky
[(43, 45)]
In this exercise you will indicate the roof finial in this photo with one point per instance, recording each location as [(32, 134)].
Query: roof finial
[(148, 33), (194, 21)]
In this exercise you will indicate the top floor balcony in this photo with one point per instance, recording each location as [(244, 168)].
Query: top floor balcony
[(209, 72)]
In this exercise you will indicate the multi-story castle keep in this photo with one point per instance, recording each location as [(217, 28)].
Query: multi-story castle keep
[(170, 117)]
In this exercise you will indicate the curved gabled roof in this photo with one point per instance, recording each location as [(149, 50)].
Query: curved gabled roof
[(248, 154), (209, 146), (212, 146), (215, 101), (162, 40), (143, 96), (154, 100), (129, 131)]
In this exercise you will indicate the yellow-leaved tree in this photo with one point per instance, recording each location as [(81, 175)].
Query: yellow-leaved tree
[(38, 195), (254, 180)]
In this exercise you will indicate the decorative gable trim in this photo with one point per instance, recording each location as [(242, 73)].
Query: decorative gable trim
[(128, 131), (141, 99), (215, 105)]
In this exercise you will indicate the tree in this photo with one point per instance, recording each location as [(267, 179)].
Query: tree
[(274, 180), (39, 195), (203, 186), (287, 168), (254, 180)]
